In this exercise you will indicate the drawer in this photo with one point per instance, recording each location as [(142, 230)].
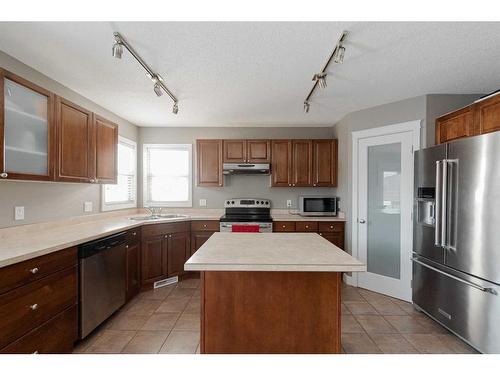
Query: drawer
[(53, 337), (31, 305), (134, 236), (331, 226), (30, 270), (284, 226), (306, 226), (157, 229), (205, 226)]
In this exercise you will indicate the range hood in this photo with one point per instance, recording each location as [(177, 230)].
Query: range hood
[(245, 168)]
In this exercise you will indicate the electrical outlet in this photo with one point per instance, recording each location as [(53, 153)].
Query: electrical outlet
[(203, 202), (289, 203), (87, 207), (19, 213)]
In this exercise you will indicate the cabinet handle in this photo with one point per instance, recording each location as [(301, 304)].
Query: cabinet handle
[(204, 225), (35, 352), (126, 246), (321, 234), (34, 306), (314, 184), (92, 180), (4, 175), (134, 234), (293, 184), (34, 270), (307, 226), (289, 184), (331, 226), (284, 226), (166, 236)]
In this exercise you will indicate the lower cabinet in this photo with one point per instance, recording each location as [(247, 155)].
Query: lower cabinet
[(133, 270), (178, 247), (198, 239), (152, 258), (201, 230), (332, 231)]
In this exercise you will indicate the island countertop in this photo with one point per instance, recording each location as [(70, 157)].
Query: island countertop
[(307, 252)]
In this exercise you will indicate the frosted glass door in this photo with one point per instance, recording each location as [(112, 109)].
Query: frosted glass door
[(25, 130)]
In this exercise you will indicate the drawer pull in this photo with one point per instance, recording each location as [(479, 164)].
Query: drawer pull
[(35, 352), (284, 226), (204, 225), (331, 226), (134, 233), (126, 246), (34, 306), (34, 270), (307, 226), (321, 234)]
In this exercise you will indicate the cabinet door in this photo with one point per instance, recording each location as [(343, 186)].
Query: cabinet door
[(258, 151), (235, 151), (488, 115), (302, 163), (76, 143), (455, 125), (152, 258), (27, 129), (209, 162), (178, 247), (280, 163), (106, 150), (335, 238), (133, 270), (325, 162), (198, 239)]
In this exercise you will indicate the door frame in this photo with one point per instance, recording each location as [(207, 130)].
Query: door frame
[(415, 127)]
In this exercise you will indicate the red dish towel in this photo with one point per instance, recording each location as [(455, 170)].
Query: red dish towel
[(245, 228)]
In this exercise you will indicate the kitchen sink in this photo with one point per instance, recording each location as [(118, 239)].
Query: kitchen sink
[(157, 217)]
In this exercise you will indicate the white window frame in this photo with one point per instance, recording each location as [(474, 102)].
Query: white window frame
[(145, 196), (120, 206)]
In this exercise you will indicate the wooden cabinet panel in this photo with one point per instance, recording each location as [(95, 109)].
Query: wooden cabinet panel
[(27, 307), (302, 163), (157, 229), (284, 226), (106, 150), (205, 225), (306, 226), (133, 270), (76, 142), (152, 258), (258, 151), (26, 112), (281, 160), (134, 236), (178, 248), (198, 239), (488, 115), (30, 270), (53, 337), (235, 151), (324, 162), (209, 162), (335, 238), (455, 125)]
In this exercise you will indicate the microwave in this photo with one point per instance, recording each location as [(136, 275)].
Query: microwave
[(311, 205)]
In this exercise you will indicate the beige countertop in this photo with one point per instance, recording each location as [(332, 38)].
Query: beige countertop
[(29, 241), (307, 252)]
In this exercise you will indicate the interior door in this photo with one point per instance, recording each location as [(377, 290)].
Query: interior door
[(385, 175)]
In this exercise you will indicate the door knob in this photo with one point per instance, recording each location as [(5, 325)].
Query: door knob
[(4, 175), (361, 221)]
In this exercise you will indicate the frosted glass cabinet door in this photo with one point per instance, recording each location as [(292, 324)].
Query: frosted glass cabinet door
[(27, 130)]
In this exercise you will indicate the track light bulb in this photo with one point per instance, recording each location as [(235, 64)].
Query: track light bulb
[(175, 109), (321, 79), (306, 107), (117, 50), (339, 55), (157, 89)]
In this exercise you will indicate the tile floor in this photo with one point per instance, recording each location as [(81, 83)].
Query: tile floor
[(167, 321)]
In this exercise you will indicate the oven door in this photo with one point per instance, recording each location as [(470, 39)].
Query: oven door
[(246, 227), (317, 206)]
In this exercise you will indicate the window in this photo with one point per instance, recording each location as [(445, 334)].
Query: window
[(167, 175), (124, 193)]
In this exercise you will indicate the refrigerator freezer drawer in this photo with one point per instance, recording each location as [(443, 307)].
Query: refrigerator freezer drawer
[(468, 306)]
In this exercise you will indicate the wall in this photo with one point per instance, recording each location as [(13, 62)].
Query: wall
[(46, 201), (237, 186), (426, 108)]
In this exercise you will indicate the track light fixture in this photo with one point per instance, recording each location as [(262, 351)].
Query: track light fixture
[(159, 87), (320, 78)]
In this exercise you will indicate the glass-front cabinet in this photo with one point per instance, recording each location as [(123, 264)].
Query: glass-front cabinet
[(27, 130)]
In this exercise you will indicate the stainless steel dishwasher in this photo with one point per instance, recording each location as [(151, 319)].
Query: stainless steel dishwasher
[(102, 280)]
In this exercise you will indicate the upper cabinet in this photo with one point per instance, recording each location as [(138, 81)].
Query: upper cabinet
[(281, 162), (46, 137), (325, 162), (302, 163), (478, 118), (27, 129), (247, 151), (209, 162)]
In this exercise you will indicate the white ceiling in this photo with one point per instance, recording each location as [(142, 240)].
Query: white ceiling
[(257, 74)]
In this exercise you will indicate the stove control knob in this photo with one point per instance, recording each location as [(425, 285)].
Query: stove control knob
[(267, 202), (228, 202), (232, 202)]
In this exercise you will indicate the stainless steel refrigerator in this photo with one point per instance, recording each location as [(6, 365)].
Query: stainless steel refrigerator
[(456, 238)]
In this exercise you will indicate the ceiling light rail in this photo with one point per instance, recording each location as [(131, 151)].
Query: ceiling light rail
[(320, 78), (117, 51)]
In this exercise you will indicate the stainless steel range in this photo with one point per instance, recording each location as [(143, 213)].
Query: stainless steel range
[(247, 215)]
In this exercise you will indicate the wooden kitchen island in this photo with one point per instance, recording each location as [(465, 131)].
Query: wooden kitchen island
[(270, 292)]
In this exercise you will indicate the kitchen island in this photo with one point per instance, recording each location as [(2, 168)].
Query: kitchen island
[(270, 292)]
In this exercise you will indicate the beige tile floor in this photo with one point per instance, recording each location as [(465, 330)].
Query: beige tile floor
[(167, 320)]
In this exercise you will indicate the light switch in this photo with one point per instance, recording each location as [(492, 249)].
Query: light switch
[(87, 207), (19, 213), (289, 203), (203, 202)]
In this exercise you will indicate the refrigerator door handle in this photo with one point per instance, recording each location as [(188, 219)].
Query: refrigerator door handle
[(444, 208), (437, 213), (481, 288)]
